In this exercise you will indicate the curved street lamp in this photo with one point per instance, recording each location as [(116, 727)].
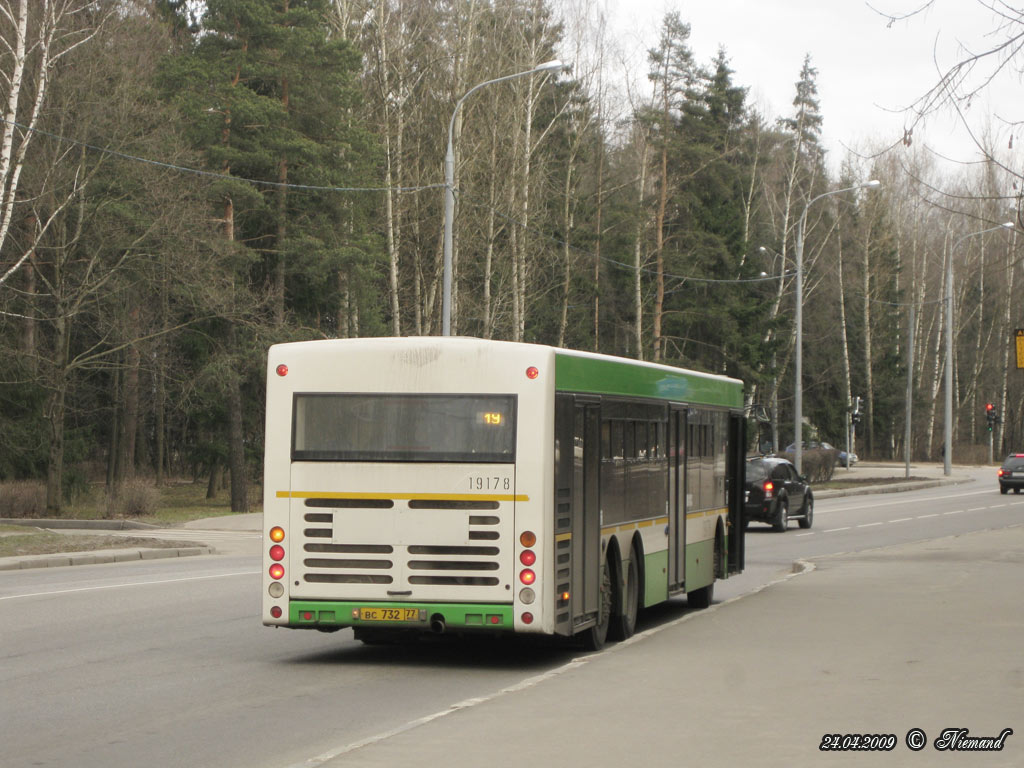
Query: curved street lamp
[(798, 395), (947, 459), (449, 189)]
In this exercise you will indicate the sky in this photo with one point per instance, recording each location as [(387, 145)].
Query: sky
[(868, 70)]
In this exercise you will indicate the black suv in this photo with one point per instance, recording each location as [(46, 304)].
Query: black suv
[(775, 493), (1011, 474)]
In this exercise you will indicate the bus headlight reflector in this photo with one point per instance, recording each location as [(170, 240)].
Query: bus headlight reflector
[(276, 589), (527, 576), (527, 595)]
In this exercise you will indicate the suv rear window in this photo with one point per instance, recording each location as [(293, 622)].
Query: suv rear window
[(756, 471), (1014, 463)]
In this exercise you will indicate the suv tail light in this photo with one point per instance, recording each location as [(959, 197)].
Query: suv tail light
[(768, 487)]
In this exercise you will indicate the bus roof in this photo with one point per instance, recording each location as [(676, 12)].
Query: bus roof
[(575, 371)]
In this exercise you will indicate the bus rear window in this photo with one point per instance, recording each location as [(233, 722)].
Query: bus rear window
[(390, 427)]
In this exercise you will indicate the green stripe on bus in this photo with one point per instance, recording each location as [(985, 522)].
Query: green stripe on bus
[(656, 581), (612, 377), (700, 564)]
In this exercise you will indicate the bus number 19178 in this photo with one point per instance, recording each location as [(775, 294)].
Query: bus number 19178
[(477, 483)]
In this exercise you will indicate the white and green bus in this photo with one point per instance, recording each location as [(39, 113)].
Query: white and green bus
[(460, 485)]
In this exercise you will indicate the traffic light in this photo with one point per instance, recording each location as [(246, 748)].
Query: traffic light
[(991, 415)]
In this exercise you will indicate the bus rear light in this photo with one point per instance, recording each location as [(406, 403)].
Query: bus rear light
[(564, 596), (277, 552), (527, 595), (282, 370), (276, 611), (532, 372), (277, 571), (527, 576), (527, 618), (307, 615), (276, 589), (277, 534), (527, 557), (528, 539)]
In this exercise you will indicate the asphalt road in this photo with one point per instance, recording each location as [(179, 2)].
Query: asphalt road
[(165, 663)]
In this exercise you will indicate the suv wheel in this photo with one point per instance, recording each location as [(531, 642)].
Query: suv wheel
[(808, 519), (782, 520)]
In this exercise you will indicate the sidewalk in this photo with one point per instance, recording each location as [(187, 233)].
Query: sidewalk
[(922, 636), (235, 523)]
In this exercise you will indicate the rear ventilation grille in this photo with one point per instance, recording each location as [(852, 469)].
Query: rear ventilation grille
[(471, 559)]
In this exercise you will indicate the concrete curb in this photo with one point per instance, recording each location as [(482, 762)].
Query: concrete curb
[(914, 485), (95, 557)]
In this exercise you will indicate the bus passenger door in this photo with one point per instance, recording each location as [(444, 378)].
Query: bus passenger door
[(737, 483), (586, 510), (677, 499)]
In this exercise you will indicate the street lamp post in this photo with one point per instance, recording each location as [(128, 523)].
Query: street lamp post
[(449, 190), (798, 395), (947, 459)]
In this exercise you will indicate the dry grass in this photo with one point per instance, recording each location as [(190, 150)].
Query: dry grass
[(172, 503)]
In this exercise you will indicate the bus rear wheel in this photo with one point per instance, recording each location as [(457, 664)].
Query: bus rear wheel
[(595, 638), (628, 605)]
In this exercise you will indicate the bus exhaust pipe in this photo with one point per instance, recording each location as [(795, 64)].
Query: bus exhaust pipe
[(437, 625)]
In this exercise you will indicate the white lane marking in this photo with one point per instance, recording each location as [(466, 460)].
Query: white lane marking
[(869, 525), (978, 509), (953, 512), (131, 584), (901, 520), (805, 534), (894, 502), (833, 530), (922, 517)]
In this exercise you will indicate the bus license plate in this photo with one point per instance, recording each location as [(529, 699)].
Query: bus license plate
[(389, 614)]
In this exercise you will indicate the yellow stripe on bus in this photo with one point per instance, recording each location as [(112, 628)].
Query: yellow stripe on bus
[(633, 526), (404, 496), (707, 513)]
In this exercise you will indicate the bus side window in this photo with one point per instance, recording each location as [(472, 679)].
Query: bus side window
[(642, 441), (629, 447)]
